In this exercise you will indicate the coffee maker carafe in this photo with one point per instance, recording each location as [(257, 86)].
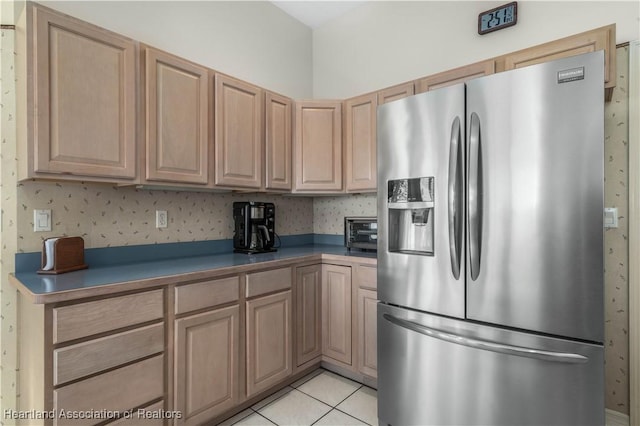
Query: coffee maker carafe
[(254, 230)]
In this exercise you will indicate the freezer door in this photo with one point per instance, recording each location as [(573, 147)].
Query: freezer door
[(421, 201), (437, 371), (535, 198)]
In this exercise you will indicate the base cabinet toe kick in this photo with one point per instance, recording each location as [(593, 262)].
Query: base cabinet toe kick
[(194, 351)]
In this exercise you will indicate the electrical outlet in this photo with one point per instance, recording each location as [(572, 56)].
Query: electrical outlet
[(42, 220), (161, 218)]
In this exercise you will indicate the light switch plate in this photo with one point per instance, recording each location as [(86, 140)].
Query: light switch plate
[(42, 220), (610, 217)]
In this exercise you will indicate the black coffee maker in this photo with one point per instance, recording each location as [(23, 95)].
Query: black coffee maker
[(254, 230)]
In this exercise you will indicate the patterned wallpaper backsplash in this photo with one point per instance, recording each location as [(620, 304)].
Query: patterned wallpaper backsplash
[(329, 212), (616, 244), (107, 215)]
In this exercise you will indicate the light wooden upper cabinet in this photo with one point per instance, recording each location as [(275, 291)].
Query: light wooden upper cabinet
[(360, 143), (176, 120), (318, 146), (603, 38), (238, 133), (455, 76), (84, 104), (278, 117), (394, 93), (269, 347)]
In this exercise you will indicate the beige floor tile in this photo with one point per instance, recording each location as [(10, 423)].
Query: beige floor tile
[(235, 419), (363, 405), (329, 388), (306, 378), (338, 418), (268, 400), (295, 408), (254, 420)]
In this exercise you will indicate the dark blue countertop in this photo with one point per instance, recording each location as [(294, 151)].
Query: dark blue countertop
[(43, 288)]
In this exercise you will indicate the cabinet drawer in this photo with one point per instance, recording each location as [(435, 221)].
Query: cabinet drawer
[(85, 319), (117, 390), (206, 294), (268, 281), (83, 359), (143, 416), (367, 277)]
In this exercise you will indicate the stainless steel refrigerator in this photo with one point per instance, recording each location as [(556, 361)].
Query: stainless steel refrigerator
[(490, 250)]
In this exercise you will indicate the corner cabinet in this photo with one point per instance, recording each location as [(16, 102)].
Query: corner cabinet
[(360, 143), (455, 76), (239, 133), (308, 314), (83, 99), (336, 313), (176, 94), (318, 147), (278, 124)]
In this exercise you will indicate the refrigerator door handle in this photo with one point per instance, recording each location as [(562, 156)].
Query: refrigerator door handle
[(475, 196), (486, 345), (455, 198)]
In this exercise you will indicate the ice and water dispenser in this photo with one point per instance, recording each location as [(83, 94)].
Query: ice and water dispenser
[(410, 208)]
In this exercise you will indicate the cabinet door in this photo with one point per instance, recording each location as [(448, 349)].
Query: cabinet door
[(603, 38), (238, 133), (318, 146), (177, 110), (268, 341), (279, 110), (336, 312), (360, 143), (85, 99), (455, 76), (206, 364), (308, 314), (394, 93), (367, 332)]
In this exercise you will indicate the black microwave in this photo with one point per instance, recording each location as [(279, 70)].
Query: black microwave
[(361, 232)]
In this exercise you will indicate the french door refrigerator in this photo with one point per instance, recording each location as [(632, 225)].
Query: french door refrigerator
[(490, 250)]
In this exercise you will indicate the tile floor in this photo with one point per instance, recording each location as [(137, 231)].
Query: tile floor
[(320, 398)]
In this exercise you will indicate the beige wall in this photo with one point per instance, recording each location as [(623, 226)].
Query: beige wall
[(383, 43), (251, 40), (8, 236)]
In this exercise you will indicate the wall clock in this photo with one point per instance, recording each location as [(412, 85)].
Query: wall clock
[(498, 18)]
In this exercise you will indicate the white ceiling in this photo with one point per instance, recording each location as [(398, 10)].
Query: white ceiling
[(315, 13)]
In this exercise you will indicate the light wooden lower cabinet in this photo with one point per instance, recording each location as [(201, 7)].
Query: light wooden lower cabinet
[(367, 332), (268, 341), (206, 364), (308, 314), (336, 313), (117, 390), (90, 361)]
